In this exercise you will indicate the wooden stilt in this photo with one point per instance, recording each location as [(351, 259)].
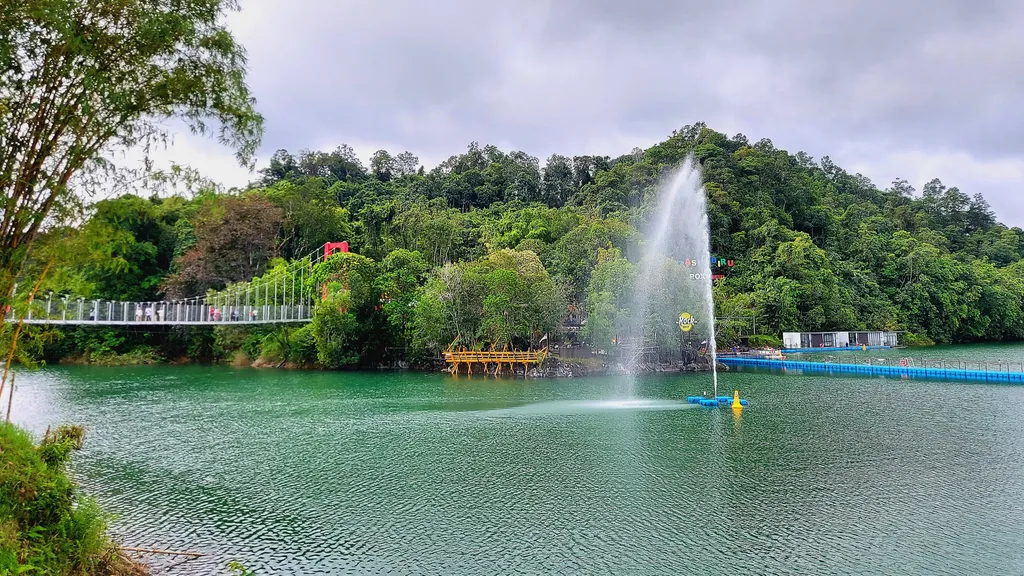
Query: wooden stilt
[(492, 362)]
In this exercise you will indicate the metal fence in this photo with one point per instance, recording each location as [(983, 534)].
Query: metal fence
[(933, 364), (286, 293), (80, 311)]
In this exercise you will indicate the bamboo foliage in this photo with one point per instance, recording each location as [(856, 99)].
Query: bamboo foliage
[(80, 79)]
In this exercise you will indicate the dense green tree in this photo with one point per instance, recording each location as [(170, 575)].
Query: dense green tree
[(383, 165), (402, 273), (132, 246), (573, 256), (609, 299), (235, 237), (347, 325), (311, 216), (504, 299)]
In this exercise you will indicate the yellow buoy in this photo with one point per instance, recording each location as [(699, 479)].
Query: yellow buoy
[(736, 400)]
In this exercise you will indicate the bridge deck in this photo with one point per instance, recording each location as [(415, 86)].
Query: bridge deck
[(109, 313), (155, 322), (284, 294)]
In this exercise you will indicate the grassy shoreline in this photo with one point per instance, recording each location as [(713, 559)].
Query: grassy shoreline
[(47, 526)]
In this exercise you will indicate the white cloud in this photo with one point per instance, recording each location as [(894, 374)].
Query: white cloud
[(1001, 181), (888, 88), (207, 156)]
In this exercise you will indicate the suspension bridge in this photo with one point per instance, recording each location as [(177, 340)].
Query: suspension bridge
[(285, 294)]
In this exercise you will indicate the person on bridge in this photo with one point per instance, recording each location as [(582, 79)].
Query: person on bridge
[(149, 313), (252, 314), (138, 312)]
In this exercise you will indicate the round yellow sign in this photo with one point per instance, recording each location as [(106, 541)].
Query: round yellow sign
[(686, 322)]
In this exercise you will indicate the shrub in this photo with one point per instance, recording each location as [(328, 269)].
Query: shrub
[(764, 341), (918, 340), (46, 527)]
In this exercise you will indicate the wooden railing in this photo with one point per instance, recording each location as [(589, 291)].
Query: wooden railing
[(499, 358)]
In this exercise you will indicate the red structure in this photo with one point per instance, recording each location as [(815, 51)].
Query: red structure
[(331, 247)]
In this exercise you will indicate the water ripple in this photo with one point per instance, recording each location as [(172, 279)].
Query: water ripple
[(410, 474)]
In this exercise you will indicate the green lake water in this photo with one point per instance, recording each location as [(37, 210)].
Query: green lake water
[(388, 473)]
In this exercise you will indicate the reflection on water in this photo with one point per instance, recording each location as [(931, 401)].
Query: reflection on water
[(566, 407), (340, 473)]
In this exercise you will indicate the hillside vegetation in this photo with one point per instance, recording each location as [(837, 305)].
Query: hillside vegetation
[(491, 247)]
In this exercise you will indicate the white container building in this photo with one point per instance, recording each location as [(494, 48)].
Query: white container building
[(844, 339)]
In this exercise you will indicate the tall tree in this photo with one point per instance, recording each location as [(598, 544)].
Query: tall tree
[(235, 237), (406, 163), (382, 164), (558, 180), (80, 78), (282, 165)]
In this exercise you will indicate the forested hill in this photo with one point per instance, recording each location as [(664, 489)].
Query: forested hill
[(813, 247)]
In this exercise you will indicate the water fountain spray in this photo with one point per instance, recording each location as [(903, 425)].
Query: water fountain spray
[(675, 269)]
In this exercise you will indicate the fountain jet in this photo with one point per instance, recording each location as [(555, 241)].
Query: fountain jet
[(673, 301)]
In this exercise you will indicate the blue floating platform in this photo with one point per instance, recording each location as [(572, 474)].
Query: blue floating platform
[(714, 402), (944, 373)]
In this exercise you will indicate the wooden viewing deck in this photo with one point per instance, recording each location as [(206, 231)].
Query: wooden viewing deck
[(498, 358)]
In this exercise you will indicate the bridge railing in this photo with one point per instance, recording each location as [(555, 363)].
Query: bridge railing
[(524, 357), (997, 365), (80, 311), (287, 292), (894, 363)]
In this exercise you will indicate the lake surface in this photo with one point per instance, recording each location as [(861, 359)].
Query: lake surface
[(338, 473)]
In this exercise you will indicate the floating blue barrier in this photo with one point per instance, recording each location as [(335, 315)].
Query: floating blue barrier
[(743, 402), (694, 399), (708, 402), (724, 398), (949, 374)]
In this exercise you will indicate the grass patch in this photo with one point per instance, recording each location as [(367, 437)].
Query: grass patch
[(46, 525), (143, 355)]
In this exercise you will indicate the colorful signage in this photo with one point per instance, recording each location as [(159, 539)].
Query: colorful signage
[(686, 322), (715, 262)]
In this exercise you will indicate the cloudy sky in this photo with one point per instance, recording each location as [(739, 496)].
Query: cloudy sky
[(893, 88)]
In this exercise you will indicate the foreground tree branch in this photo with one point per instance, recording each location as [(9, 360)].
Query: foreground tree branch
[(82, 78)]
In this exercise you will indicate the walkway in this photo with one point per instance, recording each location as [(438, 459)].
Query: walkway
[(936, 370), (282, 295), (115, 313)]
